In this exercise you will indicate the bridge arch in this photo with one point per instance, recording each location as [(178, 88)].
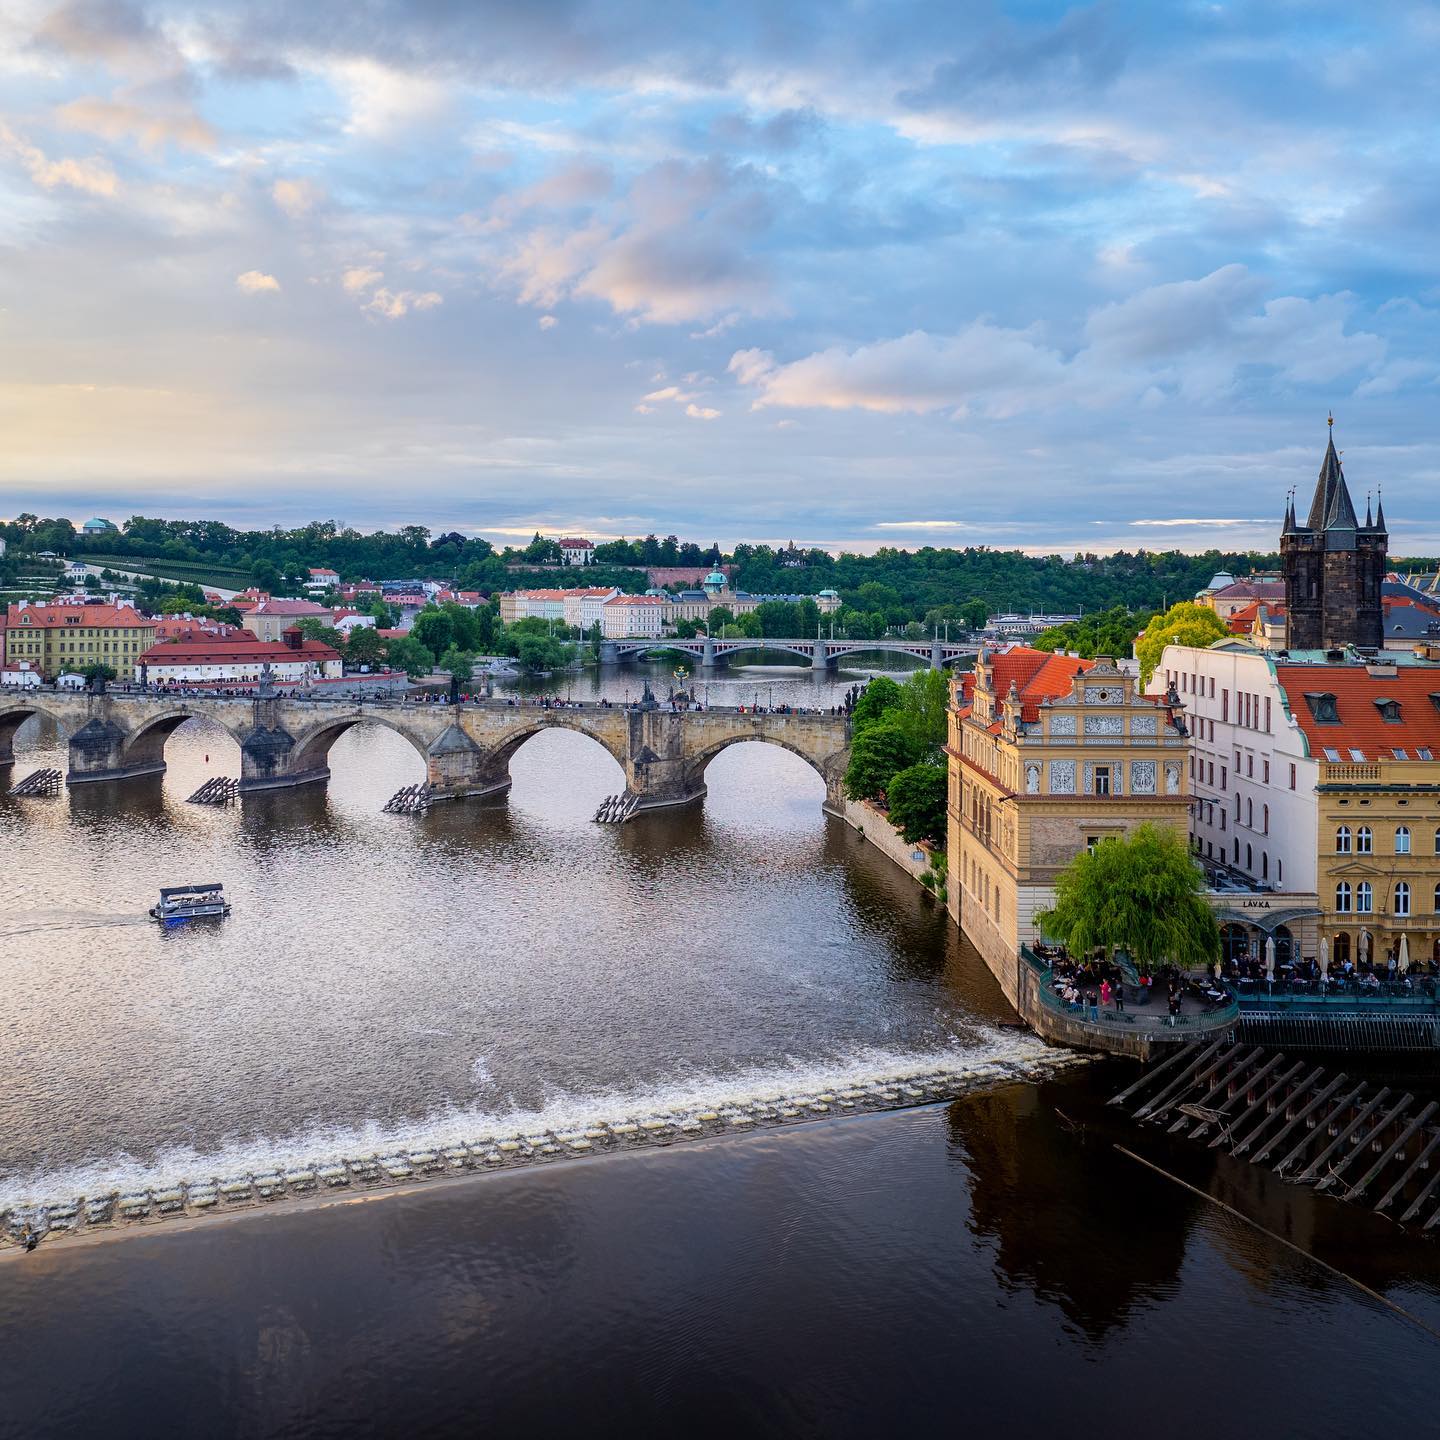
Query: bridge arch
[(502, 750), (146, 744), (828, 764), (13, 714), (312, 746)]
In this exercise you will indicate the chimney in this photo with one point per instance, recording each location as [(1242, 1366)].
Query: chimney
[(293, 638)]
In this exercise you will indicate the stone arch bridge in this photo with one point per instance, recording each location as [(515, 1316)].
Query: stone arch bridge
[(285, 741)]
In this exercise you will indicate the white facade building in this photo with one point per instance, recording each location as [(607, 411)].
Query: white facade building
[(576, 552), (1252, 781), (584, 607), (635, 617)]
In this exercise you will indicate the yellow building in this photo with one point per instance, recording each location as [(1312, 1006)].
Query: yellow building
[(1374, 729), (1047, 755), (68, 638)]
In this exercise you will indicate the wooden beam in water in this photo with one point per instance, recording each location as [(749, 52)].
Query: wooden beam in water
[(1274, 1086), (1413, 1169), (1298, 1093), (1299, 1118), (1186, 1078), (1312, 1171), (1243, 1092), (1198, 1077), (1241, 1064), (1302, 1144), (1364, 1182), (1422, 1197), (1391, 1116), (1153, 1072)]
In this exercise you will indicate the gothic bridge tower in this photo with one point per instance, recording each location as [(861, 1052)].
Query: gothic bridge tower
[(1334, 567)]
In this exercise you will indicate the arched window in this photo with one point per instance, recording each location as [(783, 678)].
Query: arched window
[(1250, 812), (1437, 839), (1342, 898), (1249, 858), (1342, 947), (1265, 826), (1264, 866), (1364, 898), (1437, 899), (1364, 841), (1402, 839), (1279, 871), (1342, 840), (1402, 899)]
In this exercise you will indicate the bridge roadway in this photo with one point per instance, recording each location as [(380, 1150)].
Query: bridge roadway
[(822, 654), (285, 741)]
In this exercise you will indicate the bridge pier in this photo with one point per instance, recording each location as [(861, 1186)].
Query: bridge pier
[(708, 659), (456, 768), (820, 656), (97, 751), (609, 653)]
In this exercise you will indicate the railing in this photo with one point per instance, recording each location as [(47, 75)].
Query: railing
[(1137, 1019), (1348, 773)]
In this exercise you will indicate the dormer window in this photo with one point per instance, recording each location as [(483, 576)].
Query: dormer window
[(1323, 707), (1389, 711)]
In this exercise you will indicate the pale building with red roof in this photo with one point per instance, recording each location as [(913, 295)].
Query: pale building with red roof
[(69, 638)]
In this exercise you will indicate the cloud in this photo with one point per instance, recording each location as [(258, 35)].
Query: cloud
[(360, 278), (548, 322), (1185, 339), (393, 304), (257, 282), (701, 412), (93, 176), (297, 197), (153, 128), (922, 525)]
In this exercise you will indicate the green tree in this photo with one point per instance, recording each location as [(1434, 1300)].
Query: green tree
[(540, 652), (879, 697), (1143, 894), (458, 662), (98, 672), (975, 613), (314, 627), (924, 704), (1184, 624), (263, 575), (877, 754), (719, 617), (434, 629), (915, 799), (749, 626), (364, 646), (406, 653)]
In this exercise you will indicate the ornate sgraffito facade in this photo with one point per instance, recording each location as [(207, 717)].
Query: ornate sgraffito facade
[(1048, 755)]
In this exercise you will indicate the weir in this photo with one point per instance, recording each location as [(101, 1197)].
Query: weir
[(285, 741), (496, 1143)]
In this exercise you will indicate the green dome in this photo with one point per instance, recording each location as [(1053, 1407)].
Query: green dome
[(717, 577)]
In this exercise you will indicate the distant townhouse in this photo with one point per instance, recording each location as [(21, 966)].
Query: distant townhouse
[(627, 617), (322, 579), (574, 551), (583, 608), (59, 639), (271, 618)]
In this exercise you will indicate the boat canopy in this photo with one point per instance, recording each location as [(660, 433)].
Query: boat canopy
[(171, 890)]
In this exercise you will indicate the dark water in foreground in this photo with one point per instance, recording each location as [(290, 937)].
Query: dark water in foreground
[(968, 1268)]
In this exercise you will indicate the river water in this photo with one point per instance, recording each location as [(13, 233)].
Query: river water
[(398, 981)]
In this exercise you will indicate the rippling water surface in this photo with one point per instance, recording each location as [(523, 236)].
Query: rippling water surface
[(388, 978)]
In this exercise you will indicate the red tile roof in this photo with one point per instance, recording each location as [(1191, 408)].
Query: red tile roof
[(208, 651), (1038, 675), (1241, 621), (1361, 722), (113, 616), (286, 608)]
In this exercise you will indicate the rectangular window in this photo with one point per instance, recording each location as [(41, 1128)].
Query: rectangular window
[(1250, 766), (1224, 778), (1267, 771), (1267, 713), (1225, 707), (1292, 777), (1358, 756), (1332, 755), (1102, 779)]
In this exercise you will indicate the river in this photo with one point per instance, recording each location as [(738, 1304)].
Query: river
[(393, 981)]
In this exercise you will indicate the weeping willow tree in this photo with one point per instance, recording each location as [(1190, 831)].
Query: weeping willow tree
[(1143, 894)]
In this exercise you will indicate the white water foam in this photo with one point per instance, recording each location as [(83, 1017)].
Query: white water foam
[(998, 1055)]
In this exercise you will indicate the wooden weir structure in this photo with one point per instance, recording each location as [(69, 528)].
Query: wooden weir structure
[(412, 800), (617, 809), (221, 790), (1348, 1138), (39, 782)]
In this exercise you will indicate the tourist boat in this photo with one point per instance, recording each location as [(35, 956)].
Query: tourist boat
[(190, 902)]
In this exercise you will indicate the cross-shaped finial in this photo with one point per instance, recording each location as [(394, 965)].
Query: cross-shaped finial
[(1330, 419)]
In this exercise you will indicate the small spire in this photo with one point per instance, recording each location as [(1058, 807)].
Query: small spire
[(1379, 511), (1369, 524)]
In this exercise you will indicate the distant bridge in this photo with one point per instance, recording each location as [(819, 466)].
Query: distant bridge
[(285, 741), (819, 653)]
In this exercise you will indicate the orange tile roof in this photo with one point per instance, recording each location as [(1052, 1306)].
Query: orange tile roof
[(1038, 675), (115, 616), (1361, 725), (1241, 621)]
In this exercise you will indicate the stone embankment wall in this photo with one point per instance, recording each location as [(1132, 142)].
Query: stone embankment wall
[(874, 824)]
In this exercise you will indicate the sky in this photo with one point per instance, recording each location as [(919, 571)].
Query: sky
[(850, 273)]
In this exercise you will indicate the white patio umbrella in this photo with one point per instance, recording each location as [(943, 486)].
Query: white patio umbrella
[(1324, 958), (1270, 957), (1404, 954), (1364, 946), (1216, 969)]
